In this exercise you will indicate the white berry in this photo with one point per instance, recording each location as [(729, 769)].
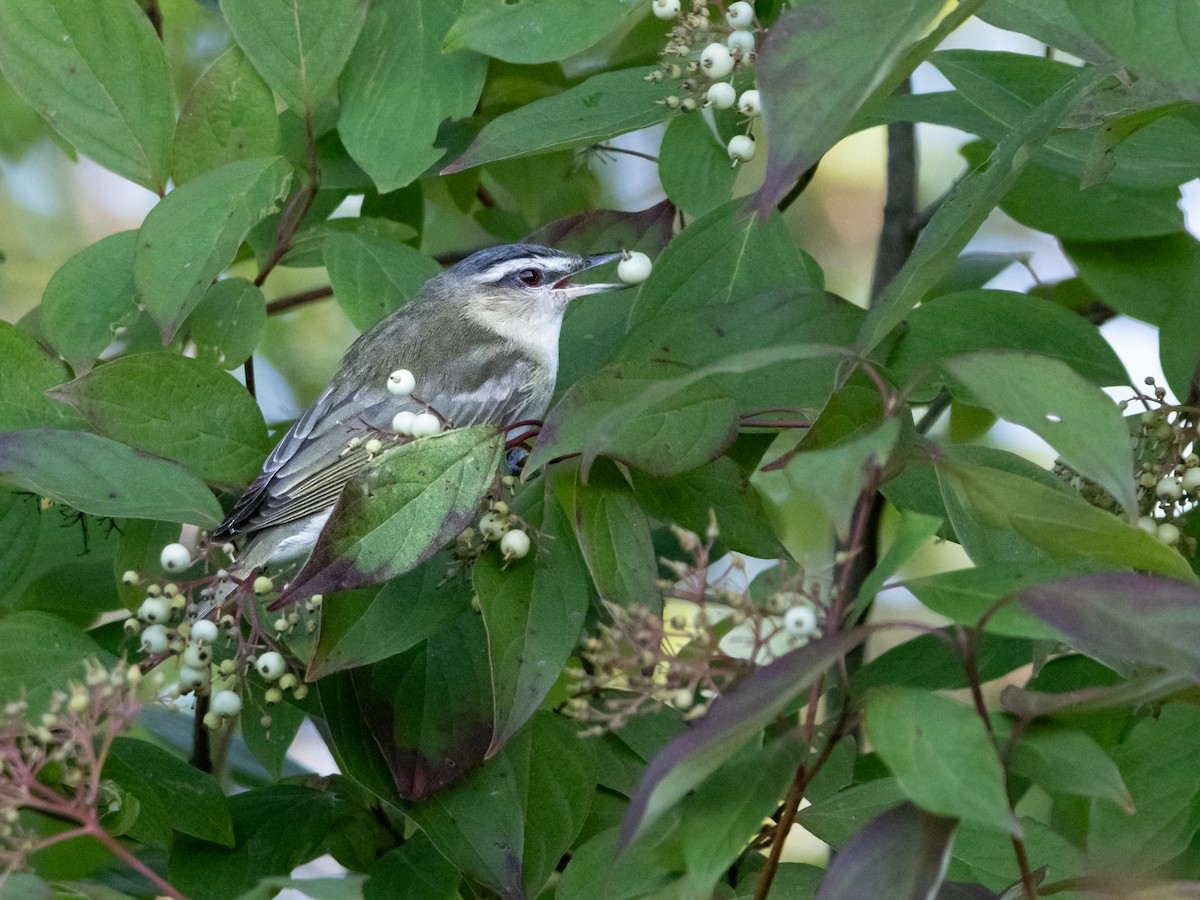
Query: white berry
[(402, 422), (263, 585), (514, 544), (716, 61), (196, 656), (1191, 480), (666, 9), (154, 639), (205, 632), (175, 558), (401, 382), (800, 621), (130, 577), (634, 268), (1148, 525), (1168, 534), (492, 525), (193, 678), (740, 42), (750, 103), (153, 610), (226, 703), (271, 666), (1169, 488), (426, 424), (740, 15), (741, 147), (721, 95)]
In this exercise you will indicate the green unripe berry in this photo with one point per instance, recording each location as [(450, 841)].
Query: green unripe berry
[(263, 585)]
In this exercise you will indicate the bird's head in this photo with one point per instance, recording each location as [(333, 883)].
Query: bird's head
[(521, 290)]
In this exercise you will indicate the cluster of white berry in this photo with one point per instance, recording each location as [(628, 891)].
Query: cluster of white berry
[(1167, 470), (716, 633), (406, 423), (497, 525), (701, 54), (168, 626)]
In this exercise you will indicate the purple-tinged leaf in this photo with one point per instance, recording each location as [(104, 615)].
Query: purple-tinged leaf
[(1028, 704), (901, 854), (1122, 615), (734, 718), (818, 64), (607, 230), (420, 496)]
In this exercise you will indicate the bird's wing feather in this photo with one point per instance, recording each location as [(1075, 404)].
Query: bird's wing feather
[(306, 472)]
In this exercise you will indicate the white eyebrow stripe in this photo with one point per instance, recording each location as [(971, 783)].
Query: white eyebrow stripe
[(502, 270)]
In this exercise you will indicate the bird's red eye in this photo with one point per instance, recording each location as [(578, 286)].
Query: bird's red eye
[(530, 277)]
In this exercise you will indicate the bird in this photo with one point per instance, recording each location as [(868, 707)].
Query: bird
[(481, 341)]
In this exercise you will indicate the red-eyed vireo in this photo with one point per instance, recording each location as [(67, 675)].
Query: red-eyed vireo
[(481, 343)]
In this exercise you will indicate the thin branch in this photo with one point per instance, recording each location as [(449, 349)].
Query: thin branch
[(609, 148), (248, 372), (798, 188), (201, 749), (291, 301)]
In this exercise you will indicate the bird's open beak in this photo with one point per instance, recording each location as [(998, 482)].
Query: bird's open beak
[(565, 286)]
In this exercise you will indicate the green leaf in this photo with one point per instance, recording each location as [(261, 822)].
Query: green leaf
[(193, 234), (413, 871), (365, 626), (1124, 616), (269, 744), (228, 323), (172, 794), (1057, 202), (1066, 761), (373, 276), (727, 255), (664, 438), (178, 408), (1049, 21), (1159, 41), (534, 31), (398, 87), (941, 753), (290, 820), (838, 818), (533, 610), (346, 886), (1061, 524), (40, 653), (901, 853), (409, 725), (965, 596), (26, 373), (1142, 278), (694, 166), (417, 498), (228, 115), (732, 720), (99, 476), (602, 107), (960, 323), (308, 246), (985, 855), (1157, 765), (556, 771), (299, 46), (720, 488), (934, 662), (98, 74), (816, 67), (89, 298), (614, 536), (1076, 419), (729, 805), (965, 208)]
